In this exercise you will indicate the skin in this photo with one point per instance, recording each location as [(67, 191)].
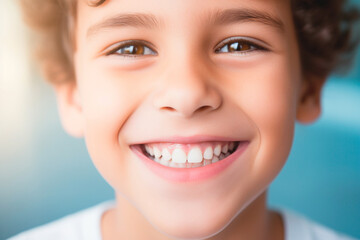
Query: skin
[(186, 88)]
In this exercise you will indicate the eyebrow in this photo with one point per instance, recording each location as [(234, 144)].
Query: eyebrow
[(125, 20), (230, 16), (222, 17)]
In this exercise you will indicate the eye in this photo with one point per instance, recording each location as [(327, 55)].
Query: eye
[(238, 46), (131, 49)]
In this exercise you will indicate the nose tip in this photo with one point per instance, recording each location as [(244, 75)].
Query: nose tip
[(188, 99)]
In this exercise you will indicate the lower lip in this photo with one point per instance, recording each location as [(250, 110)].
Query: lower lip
[(190, 174)]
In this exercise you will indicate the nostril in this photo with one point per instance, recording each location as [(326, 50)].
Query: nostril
[(203, 108), (170, 109), (199, 110)]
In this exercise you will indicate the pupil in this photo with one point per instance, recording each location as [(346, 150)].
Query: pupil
[(236, 46), (139, 49)]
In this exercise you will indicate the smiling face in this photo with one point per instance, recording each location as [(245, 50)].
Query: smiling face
[(161, 86)]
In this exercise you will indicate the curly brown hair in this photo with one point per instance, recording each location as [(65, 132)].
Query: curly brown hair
[(324, 30)]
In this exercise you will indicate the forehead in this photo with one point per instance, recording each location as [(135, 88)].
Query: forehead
[(275, 13)]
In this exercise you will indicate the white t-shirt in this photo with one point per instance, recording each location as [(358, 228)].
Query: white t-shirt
[(85, 225)]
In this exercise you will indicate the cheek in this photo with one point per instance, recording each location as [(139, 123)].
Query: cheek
[(275, 118), (107, 102), (269, 100)]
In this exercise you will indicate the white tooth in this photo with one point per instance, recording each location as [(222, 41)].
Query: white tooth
[(157, 160), (166, 155), (225, 148), (194, 165), (207, 162), (231, 146), (208, 154), (195, 155), (163, 162), (181, 165), (177, 165), (147, 149), (222, 156), (227, 154), (217, 150), (172, 164), (178, 156), (215, 159), (151, 151), (157, 152)]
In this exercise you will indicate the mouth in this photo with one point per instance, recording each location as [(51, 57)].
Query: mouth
[(197, 155), (189, 162)]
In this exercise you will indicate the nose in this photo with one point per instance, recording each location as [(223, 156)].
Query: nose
[(186, 89)]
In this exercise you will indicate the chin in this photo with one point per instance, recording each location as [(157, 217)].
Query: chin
[(191, 231), (189, 225)]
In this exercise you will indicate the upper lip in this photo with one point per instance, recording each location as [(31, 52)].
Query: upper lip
[(188, 139)]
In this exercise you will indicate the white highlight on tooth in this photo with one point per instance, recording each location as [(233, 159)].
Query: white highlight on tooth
[(208, 154), (195, 155), (157, 152), (217, 150), (178, 156), (225, 148), (166, 155), (215, 159)]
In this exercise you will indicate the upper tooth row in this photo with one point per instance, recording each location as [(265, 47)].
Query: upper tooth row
[(195, 154)]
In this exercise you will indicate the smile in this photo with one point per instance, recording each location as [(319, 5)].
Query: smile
[(188, 162), (188, 155)]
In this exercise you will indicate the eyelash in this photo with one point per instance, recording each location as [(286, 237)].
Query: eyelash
[(142, 48)]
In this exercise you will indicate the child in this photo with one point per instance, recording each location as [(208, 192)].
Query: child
[(188, 108)]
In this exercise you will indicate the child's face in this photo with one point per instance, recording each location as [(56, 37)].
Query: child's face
[(193, 72)]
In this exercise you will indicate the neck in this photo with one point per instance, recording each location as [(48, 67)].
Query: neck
[(255, 222)]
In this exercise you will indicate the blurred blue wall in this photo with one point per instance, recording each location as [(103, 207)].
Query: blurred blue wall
[(322, 176), (321, 179)]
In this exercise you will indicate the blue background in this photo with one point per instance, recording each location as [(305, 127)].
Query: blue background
[(51, 175)]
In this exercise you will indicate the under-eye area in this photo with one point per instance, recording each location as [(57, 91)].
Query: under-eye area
[(189, 155)]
